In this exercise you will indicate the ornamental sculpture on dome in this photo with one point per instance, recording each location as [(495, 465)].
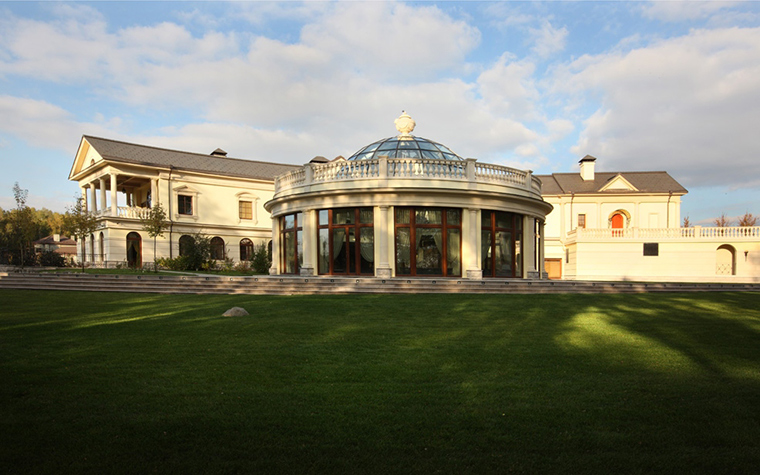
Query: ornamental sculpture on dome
[(404, 124)]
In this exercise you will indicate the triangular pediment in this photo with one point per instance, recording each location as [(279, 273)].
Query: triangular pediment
[(86, 157), (618, 183)]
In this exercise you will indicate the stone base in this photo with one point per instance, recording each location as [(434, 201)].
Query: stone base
[(383, 273), (475, 274), (272, 271), (534, 275), (307, 271)]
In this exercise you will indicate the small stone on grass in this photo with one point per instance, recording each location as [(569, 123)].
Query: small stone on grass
[(235, 312)]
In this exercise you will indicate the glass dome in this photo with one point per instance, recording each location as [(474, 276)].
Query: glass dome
[(407, 146)]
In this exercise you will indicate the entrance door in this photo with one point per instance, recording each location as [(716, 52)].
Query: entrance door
[(134, 250)]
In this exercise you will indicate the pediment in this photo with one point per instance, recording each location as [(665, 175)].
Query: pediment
[(85, 158), (618, 183)]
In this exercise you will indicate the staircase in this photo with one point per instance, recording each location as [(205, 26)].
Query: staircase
[(289, 285)]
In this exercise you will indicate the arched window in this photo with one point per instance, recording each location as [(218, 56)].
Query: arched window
[(102, 247), (217, 248), (618, 222), (185, 244), (92, 248), (134, 250), (246, 249)]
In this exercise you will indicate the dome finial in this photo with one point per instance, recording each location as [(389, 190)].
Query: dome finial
[(405, 124)]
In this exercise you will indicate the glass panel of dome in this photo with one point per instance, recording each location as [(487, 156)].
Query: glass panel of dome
[(371, 147), (363, 156), (388, 145), (432, 155), (449, 156), (407, 144), (407, 154), (425, 145), (444, 148)]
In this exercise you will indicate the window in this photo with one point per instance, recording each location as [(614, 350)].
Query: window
[(428, 241), (217, 248), (581, 220), (185, 205), (245, 209), (346, 241), (651, 249), (246, 249), (186, 244), (291, 243), (501, 244)]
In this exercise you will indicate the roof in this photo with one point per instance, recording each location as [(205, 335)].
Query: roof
[(125, 152), (64, 241), (407, 146), (644, 182)]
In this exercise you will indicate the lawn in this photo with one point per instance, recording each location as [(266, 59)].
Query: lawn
[(411, 384)]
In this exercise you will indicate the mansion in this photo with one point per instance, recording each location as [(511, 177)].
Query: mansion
[(403, 206)]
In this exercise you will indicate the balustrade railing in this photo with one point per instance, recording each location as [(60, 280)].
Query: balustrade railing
[(408, 168), (660, 234)]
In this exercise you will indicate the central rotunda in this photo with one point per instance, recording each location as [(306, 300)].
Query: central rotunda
[(406, 206)]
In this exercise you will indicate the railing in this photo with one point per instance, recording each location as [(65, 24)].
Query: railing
[(408, 168), (663, 234), (133, 212)]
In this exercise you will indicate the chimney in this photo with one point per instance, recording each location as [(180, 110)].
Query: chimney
[(56, 238), (587, 168)]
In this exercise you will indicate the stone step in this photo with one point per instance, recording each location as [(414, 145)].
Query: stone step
[(276, 285)]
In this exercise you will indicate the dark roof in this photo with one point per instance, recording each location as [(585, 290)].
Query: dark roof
[(645, 182), (64, 241), (159, 157)]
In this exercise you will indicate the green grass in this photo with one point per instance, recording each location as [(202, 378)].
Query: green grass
[(136, 383)]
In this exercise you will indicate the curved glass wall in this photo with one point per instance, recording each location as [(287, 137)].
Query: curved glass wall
[(405, 147), (428, 241), (291, 239), (346, 241)]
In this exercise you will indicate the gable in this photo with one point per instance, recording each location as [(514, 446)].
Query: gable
[(85, 157), (618, 183)]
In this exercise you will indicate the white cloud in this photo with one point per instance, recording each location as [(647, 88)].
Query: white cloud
[(687, 105), (547, 40), (682, 10)]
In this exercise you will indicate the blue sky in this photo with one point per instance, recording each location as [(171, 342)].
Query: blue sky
[(640, 85)]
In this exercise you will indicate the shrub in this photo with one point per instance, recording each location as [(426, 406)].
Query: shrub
[(51, 259), (262, 259)]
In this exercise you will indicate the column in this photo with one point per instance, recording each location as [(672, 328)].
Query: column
[(274, 270), (114, 210), (309, 233), (382, 226), (541, 256), (102, 183), (154, 200), (528, 240), (470, 231)]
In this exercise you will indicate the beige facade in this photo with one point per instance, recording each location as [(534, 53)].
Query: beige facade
[(626, 226)]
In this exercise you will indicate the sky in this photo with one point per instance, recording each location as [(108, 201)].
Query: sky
[(641, 86)]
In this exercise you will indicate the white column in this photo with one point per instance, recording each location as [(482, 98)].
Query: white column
[(274, 270), (114, 203), (153, 192), (470, 229), (541, 256), (528, 246), (383, 268), (102, 184), (309, 234)]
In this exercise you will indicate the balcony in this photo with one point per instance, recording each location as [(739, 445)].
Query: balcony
[(127, 212)]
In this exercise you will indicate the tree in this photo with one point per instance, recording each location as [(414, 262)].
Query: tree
[(154, 224), (748, 220), (686, 222), (22, 224), (80, 222), (722, 221)]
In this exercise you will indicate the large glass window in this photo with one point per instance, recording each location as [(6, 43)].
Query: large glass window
[(217, 248), (428, 241), (291, 240), (246, 249), (346, 241), (501, 244)]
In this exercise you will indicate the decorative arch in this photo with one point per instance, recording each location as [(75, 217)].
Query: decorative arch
[(725, 260), (619, 219), (134, 250)]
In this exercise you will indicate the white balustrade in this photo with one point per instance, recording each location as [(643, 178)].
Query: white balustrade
[(664, 234)]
